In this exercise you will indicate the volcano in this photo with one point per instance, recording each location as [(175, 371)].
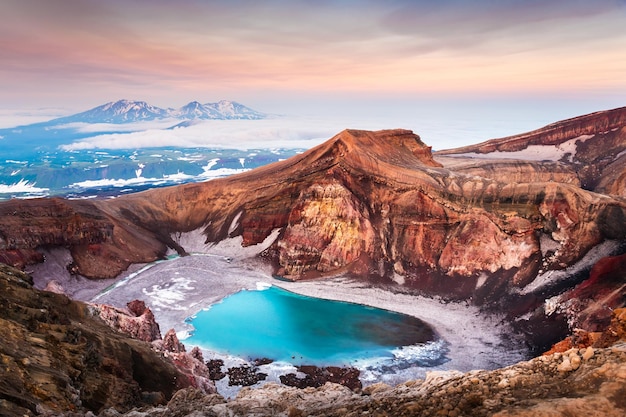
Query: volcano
[(532, 226)]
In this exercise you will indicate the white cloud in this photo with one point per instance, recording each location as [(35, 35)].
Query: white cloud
[(19, 117), (226, 134), (126, 127)]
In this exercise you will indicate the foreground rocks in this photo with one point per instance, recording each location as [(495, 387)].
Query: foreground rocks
[(57, 355), (579, 382), (316, 377), (59, 359)]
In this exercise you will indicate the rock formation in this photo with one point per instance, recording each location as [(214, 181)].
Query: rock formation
[(588, 150), (532, 225), (58, 356), (585, 380), (377, 206), (137, 321)]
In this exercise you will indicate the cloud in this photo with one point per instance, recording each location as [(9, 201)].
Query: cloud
[(225, 134)]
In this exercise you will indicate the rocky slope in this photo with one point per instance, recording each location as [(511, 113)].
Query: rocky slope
[(58, 355), (515, 223), (589, 379), (588, 150), (377, 205)]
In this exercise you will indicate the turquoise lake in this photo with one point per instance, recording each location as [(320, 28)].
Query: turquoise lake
[(283, 326)]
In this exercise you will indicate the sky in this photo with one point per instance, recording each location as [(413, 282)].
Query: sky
[(532, 60)]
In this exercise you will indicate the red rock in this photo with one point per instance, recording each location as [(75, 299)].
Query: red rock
[(171, 342), (368, 204), (137, 307), (143, 327)]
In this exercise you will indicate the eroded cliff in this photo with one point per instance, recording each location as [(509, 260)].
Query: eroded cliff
[(376, 206), (524, 225), (58, 356)]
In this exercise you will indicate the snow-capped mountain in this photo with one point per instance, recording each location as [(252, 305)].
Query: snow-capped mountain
[(121, 111), (128, 111), (233, 110)]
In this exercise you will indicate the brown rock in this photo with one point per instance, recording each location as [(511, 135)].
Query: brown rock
[(143, 327), (57, 357), (171, 342), (137, 307)]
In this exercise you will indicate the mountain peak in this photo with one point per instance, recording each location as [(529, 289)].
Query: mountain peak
[(394, 146), (192, 104), (129, 111)]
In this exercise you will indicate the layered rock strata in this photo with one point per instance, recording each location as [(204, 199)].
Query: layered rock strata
[(370, 203), (376, 206), (589, 149), (58, 356)]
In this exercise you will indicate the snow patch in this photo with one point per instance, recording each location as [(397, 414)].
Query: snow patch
[(229, 249), (398, 279), (552, 277), (170, 294), (547, 244), (210, 164), (235, 223), (535, 152), (232, 248), (22, 187), (482, 278), (262, 286), (118, 183)]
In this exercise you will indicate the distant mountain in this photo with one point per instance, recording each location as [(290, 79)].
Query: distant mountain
[(128, 111), (121, 111)]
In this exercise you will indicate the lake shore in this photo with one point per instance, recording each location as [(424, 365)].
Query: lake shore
[(178, 288)]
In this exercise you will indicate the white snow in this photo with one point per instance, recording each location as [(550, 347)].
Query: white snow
[(231, 249), (535, 152), (551, 277), (210, 164), (111, 182), (261, 286), (22, 186), (165, 179), (170, 294), (235, 223)]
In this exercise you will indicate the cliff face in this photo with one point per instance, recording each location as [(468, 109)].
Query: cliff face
[(523, 224), (375, 205), (590, 148), (100, 246), (58, 356)]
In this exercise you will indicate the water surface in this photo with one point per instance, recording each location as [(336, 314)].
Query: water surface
[(280, 325)]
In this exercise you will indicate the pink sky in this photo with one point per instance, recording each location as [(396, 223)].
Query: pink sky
[(78, 54)]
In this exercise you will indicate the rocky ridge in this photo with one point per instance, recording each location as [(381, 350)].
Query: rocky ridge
[(374, 205), (585, 380), (58, 355), (526, 237), (586, 150)]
